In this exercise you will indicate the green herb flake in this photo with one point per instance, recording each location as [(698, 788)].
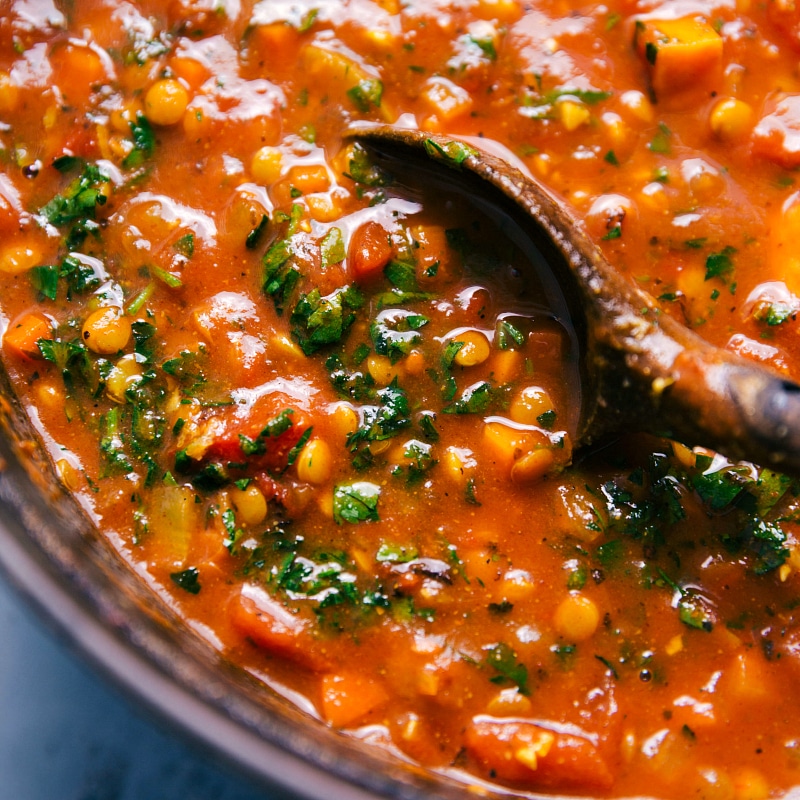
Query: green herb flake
[(356, 502), (547, 419), (503, 660), (144, 143), (402, 275), (693, 613), (382, 421), (185, 245), (366, 94), (427, 425), (394, 332), (297, 449), (486, 45), (80, 199), (396, 554), (469, 493), (718, 489), (254, 237), (281, 276), (719, 264), (661, 175), (167, 278), (187, 579), (451, 153), (233, 533), (475, 399), (319, 321), (577, 578), (662, 141), (775, 313), (362, 170), (508, 336), (332, 248), (609, 666), (307, 22), (45, 280), (589, 96)]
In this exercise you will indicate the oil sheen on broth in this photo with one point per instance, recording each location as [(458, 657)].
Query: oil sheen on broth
[(328, 419)]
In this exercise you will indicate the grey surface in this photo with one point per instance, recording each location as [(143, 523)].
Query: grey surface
[(66, 735)]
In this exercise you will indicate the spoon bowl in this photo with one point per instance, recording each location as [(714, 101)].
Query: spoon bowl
[(641, 369)]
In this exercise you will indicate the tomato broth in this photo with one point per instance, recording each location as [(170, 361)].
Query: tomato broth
[(324, 407)]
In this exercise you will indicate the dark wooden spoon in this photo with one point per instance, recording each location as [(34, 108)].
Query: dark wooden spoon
[(642, 370)]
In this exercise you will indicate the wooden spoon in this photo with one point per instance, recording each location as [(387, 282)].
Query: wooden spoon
[(642, 370)]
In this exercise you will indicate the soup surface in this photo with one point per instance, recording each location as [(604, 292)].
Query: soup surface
[(325, 410)]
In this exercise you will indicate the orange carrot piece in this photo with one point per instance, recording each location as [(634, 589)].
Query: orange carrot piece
[(349, 697), (522, 751), (271, 626), (23, 334)]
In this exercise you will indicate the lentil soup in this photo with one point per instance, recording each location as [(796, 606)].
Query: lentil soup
[(324, 411)]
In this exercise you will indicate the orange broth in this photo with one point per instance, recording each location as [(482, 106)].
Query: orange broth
[(327, 417)]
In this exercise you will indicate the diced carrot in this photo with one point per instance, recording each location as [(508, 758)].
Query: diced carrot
[(680, 53), (271, 626), (349, 697), (445, 99), (522, 751), (22, 335), (748, 678), (190, 70), (79, 69), (437, 262), (369, 251), (503, 444), (275, 41)]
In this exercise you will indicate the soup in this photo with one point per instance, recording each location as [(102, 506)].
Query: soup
[(324, 407)]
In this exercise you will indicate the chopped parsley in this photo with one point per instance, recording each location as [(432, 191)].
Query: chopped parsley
[(332, 248), (276, 427), (356, 502), (503, 660), (187, 579), (144, 143), (395, 331), (719, 264), (80, 199), (318, 321), (452, 153), (281, 275), (380, 422), (366, 94)]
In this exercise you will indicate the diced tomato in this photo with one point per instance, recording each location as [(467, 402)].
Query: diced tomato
[(369, 251), (786, 16), (777, 135), (239, 439), (522, 751), (271, 626)]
